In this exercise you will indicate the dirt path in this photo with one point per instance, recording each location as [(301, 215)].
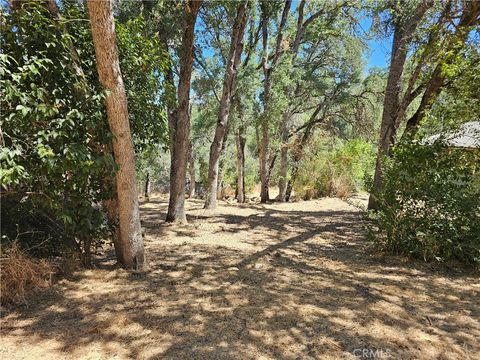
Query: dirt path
[(281, 281)]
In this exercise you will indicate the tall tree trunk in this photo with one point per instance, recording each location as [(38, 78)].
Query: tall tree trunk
[(264, 160), (402, 35), (191, 170), (264, 141), (236, 47), (240, 141), (282, 181), (181, 128), (262, 135), (221, 164), (131, 252)]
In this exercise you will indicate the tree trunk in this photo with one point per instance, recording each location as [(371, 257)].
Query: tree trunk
[(282, 182), (191, 170), (401, 37), (240, 140), (262, 135), (131, 252), (221, 164), (264, 160), (147, 187), (264, 143), (437, 82), (297, 157), (236, 47), (181, 128)]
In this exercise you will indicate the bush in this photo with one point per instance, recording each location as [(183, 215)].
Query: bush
[(54, 162), (56, 166), (429, 205), (340, 171)]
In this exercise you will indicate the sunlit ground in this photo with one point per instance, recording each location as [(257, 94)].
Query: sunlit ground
[(277, 281)]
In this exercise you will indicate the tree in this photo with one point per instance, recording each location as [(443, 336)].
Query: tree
[(181, 127), (268, 67), (438, 53), (129, 247), (455, 43), (240, 141), (232, 64), (404, 29)]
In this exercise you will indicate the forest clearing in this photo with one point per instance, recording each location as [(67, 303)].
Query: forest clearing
[(240, 179), (276, 281)]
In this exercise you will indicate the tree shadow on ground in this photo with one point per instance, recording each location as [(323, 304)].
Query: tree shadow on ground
[(306, 287)]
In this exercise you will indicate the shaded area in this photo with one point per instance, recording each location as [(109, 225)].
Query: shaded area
[(277, 281)]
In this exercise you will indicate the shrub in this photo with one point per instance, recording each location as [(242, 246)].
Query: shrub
[(54, 162), (429, 207), (340, 171)]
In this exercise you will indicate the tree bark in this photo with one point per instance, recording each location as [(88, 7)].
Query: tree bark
[(401, 38), (240, 141), (221, 164), (233, 61), (181, 128), (264, 139), (437, 81), (147, 187), (131, 252), (191, 170), (282, 182)]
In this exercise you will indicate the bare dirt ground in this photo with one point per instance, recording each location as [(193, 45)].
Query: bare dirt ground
[(276, 281)]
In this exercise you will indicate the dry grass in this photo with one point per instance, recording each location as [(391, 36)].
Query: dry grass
[(251, 281), (342, 187), (21, 273)]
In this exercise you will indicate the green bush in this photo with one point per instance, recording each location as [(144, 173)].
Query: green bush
[(340, 171), (429, 206), (56, 165), (53, 162)]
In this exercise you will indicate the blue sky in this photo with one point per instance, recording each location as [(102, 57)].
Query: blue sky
[(378, 54)]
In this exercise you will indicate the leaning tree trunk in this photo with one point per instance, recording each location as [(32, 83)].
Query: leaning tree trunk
[(236, 47), (401, 38), (437, 82), (131, 253), (240, 141), (181, 128)]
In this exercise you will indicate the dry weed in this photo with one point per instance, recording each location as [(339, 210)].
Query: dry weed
[(20, 273)]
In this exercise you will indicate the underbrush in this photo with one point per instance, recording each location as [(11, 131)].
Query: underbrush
[(428, 207), (339, 171)]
